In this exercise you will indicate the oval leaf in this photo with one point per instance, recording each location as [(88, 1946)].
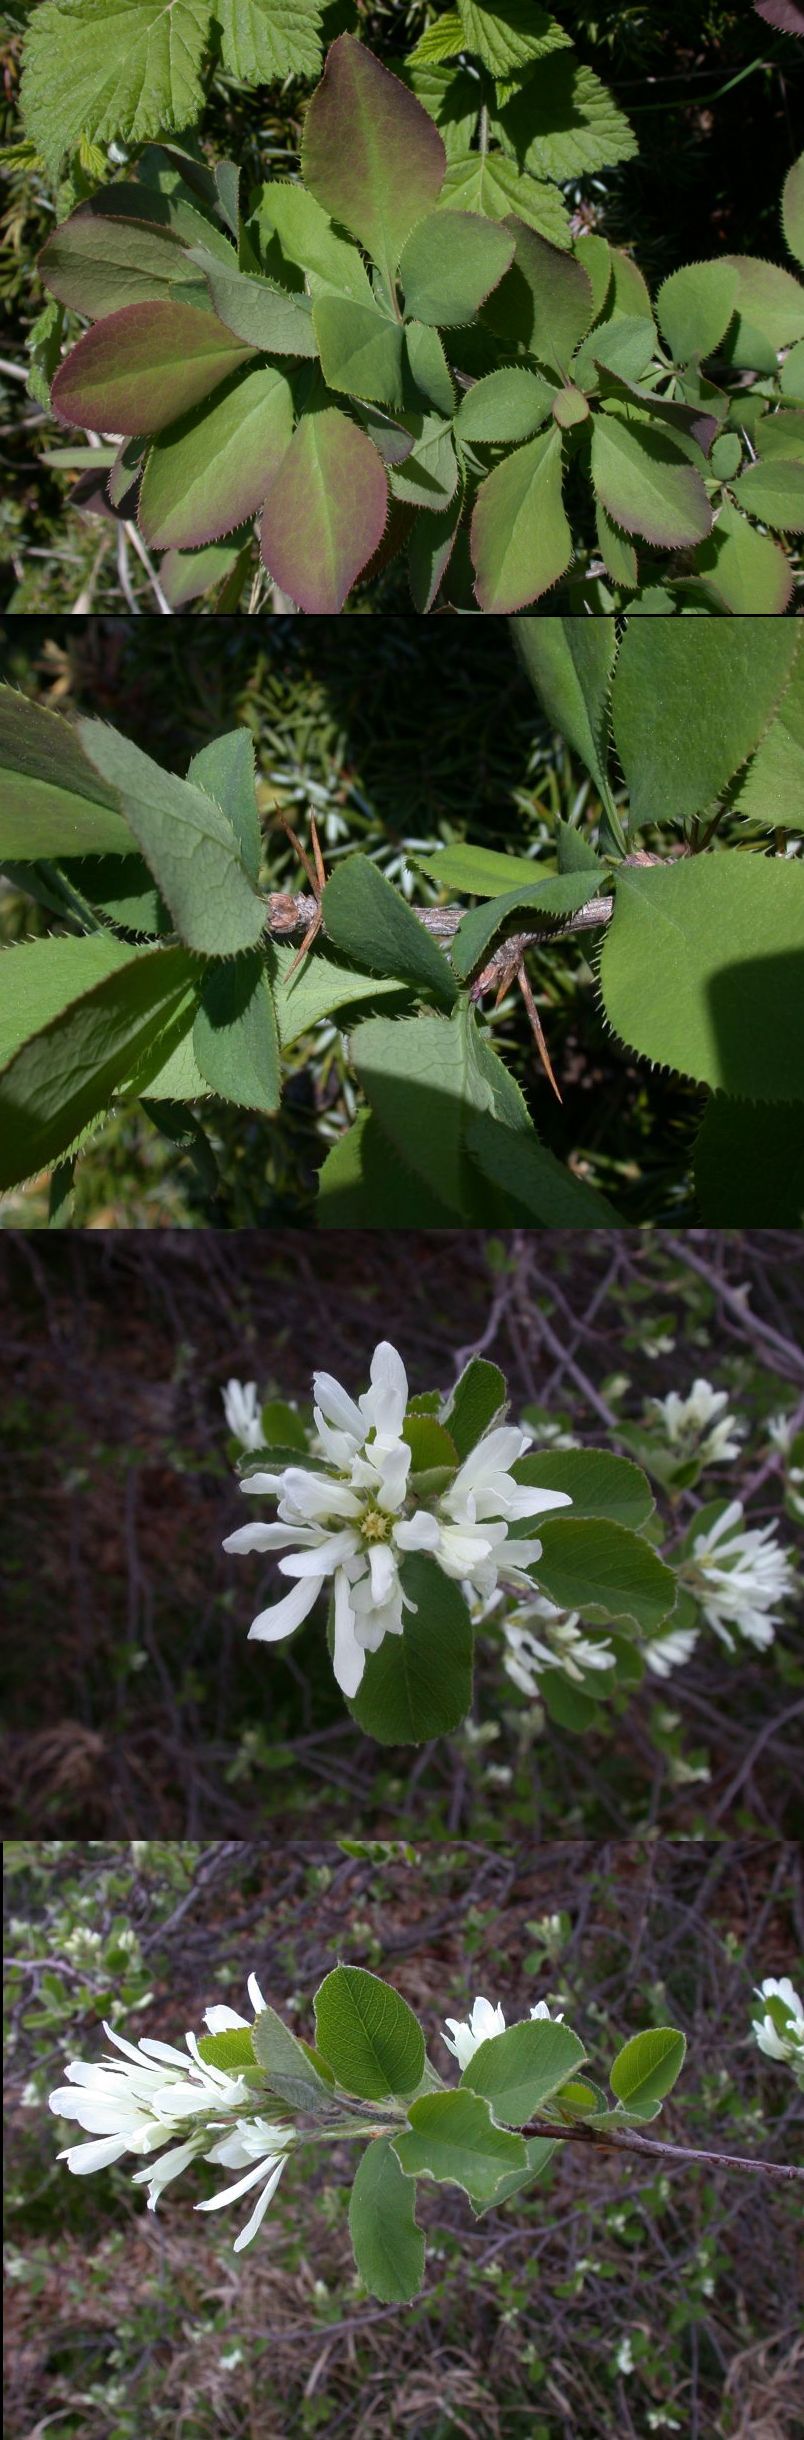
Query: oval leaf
[(141, 368), (325, 511), (368, 2035)]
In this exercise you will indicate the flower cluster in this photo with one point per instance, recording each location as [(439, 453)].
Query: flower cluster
[(482, 2023), (241, 1407), (740, 1575), (686, 1420), (779, 2031), (350, 1518), (538, 1636), (142, 2100)]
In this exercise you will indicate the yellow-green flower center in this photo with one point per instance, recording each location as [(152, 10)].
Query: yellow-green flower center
[(374, 1526)]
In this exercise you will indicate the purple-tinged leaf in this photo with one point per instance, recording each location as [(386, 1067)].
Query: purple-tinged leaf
[(692, 423), (785, 15), (212, 470), (97, 265), (370, 153), (325, 512), (143, 367), (646, 483)]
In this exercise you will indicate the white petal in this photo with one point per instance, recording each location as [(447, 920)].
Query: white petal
[(255, 1995), (382, 1569), (262, 1537), (348, 1657), (324, 1557), (81, 2158), (258, 2214), (224, 2020), (419, 1532), (384, 1404), (272, 1624), (337, 1406)]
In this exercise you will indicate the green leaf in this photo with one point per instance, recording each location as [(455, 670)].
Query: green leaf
[(769, 313), (570, 662), (449, 265), (537, 1188), (308, 240), (264, 41), (143, 367), (96, 262), (432, 1447), (41, 978), (509, 34), (419, 1684), (563, 123), (749, 1165), (647, 2066), (421, 1076), (371, 924), (603, 1570), (552, 297), (504, 406), (574, 847), (772, 786), (64, 1077), (476, 1402), (521, 541), (363, 1185), (452, 2137), (258, 312), (616, 550), (231, 2051), (538, 2152), (599, 1485), (368, 2035), (317, 988), (235, 1037), (122, 887), (184, 575), (676, 757), (744, 570), (441, 40), (775, 493), (189, 843), (370, 153), (519, 2070), (695, 307), (209, 472), (430, 550), (793, 209), (428, 368), (325, 511), (647, 484), (478, 871), (428, 477), (54, 803), (388, 2246), (224, 770), (489, 182), (556, 895), (361, 349), (703, 970), (287, 2064), (103, 68)]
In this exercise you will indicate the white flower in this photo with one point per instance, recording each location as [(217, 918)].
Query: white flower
[(559, 1646), (780, 1431), (624, 2358), (138, 2102), (354, 1521), (685, 1419), (241, 1407), (780, 2031), (739, 1575), (481, 2025), (668, 1652), (263, 2150)]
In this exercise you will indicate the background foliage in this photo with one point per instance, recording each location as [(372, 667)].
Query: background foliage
[(421, 742), (120, 2322), (133, 1698), (709, 87)]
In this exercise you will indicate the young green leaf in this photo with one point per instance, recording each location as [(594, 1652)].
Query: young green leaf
[(189, 843), (563, 123), (521, 540), (488, 182), (743, 570), (505, 406), (646, 483), (509, 34), (325, 511), (449, 265), (775, 493), (604, 1571), (54, 803), (517, 2071), (419, 1684), (264, 41), (143, 367), (256, 311), (695, 306), (368, 2035), (388, 2246), (373, 926), (476, 1402), (287, 2064), (210, 471), (478, 871), (555, 895), (703, 970), (570, 662), (452, 2137), (647, 2067), (361, 349), (235, 1037), (69, 1072), (103, 68), (678, 760), (771, 789), (225, 771)]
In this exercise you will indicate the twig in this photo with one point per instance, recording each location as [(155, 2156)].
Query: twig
[(626, 2139)]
